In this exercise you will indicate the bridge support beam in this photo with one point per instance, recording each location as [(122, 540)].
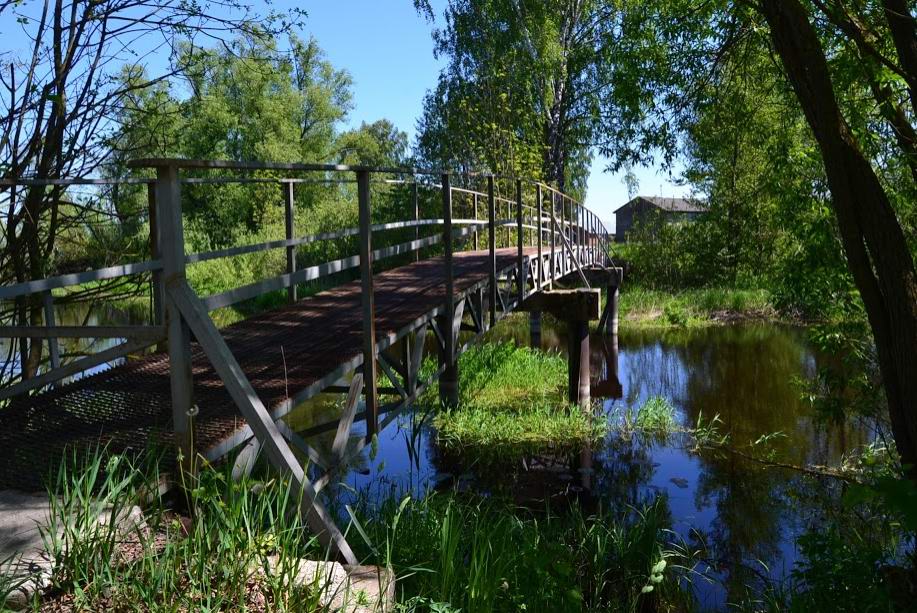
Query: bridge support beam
[(577, 307), (578, 368)]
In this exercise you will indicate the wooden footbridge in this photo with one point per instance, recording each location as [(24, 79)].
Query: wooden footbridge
[(224, 392)]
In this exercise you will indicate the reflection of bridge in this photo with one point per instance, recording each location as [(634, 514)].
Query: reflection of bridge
[(221, 391)]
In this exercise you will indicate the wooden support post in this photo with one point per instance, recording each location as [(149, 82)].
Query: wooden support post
[(448, 381), (171, 234), (521, 276), (369, 310), (554, 230), (611, 321), (287, 187), (410, 381), (563, 233), (492, 263), (413, 367), (156, 289), (578, 362), (540, 255), (184, 300), (475, 200), (53, 346), (415, 200)]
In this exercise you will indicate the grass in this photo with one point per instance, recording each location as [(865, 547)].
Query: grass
[(512, 400), (644, 307), (229, 545), (656, 417), (454, 553), (238, 546)]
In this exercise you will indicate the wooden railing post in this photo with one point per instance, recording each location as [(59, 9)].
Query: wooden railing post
[(492, 262), (448, 380), (521, 275), (509, 232), (287, 187), (475, 200), (415, 201), (553, 238), (369, 316), (172, 245), (540, 256)]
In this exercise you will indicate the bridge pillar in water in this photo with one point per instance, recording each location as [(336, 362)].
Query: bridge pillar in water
[(448, 380), (578, 368), (577, 307), (611, 306)]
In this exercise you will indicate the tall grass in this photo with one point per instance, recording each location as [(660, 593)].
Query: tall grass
[(512, 399), (651, 307), (477, 554), (235, 544)]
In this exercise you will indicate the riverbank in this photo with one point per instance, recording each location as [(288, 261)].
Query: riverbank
[(641, 307)]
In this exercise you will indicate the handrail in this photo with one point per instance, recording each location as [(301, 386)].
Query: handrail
[(575, 223), (40, 285), (193, 258)]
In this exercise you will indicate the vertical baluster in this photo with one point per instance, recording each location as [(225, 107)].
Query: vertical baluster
[(492, 239), (448, 380), (415, 201), (287, 189), (521, 277), (475, 200), (539, 238), (368, 299), (53, 346)]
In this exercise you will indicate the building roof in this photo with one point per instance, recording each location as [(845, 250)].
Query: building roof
[(675, 205)]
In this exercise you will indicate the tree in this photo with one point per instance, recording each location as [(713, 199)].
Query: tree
[(877, 252), (378, 144), (854, 106), (58, 109), (520, 91)]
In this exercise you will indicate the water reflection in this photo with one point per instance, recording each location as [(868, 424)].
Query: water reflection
[(745, 516), (94, 313)]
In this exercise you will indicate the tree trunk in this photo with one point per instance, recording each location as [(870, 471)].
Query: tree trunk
[(877, 253)]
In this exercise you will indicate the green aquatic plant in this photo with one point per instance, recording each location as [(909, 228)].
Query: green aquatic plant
[(707, 433), (656, 416)]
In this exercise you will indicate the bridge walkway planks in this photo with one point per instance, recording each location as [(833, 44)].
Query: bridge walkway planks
[(128, 407)]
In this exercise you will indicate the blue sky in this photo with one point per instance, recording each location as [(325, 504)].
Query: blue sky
[(387, 48)]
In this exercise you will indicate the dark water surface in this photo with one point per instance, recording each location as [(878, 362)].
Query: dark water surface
[(745, 517)]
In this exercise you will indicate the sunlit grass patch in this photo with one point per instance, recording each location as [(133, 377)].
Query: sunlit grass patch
[(513, 399), (641, 306)]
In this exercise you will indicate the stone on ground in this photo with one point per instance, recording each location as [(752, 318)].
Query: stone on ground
[(348, 588)]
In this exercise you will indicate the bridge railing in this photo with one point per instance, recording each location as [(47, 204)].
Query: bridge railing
[(553, 219), (566, 237)]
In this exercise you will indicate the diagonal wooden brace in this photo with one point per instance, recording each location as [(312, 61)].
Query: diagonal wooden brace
[(350, 410), (195, 314)]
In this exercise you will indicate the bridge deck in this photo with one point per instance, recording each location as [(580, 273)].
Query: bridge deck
[(286, 349)]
